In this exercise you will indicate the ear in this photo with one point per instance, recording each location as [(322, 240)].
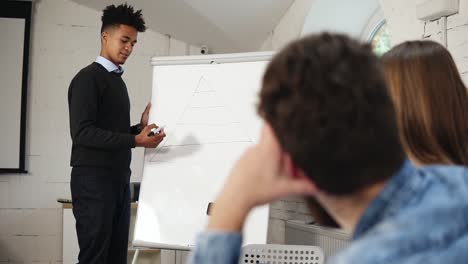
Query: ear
[(293, 171), (104, 36)]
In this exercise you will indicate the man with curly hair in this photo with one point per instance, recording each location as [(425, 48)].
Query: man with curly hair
[(330, 134), (99, 109)]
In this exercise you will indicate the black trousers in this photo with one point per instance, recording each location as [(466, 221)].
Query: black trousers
[(101, 206)]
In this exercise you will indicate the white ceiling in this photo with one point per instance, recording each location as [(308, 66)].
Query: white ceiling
[(222, 25)]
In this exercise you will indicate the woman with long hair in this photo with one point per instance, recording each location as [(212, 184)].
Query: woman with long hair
[(431, 102)]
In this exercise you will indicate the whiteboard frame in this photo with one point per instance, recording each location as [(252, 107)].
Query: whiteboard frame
[(190, 60), (20, 10), (212, 58)]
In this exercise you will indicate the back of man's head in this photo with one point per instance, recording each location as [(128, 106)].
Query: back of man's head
[(326, 99), (123, 14)]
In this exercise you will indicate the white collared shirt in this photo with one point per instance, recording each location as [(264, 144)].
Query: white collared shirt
[(110, 66)]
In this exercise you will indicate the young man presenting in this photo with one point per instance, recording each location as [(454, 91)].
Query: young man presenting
[(330, 134), (99, 109)]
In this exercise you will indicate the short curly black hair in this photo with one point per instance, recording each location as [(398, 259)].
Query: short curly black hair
[(122, 15), (326, 99)]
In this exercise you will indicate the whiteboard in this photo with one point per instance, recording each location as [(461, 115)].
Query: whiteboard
[(11, 88), (208, 106)]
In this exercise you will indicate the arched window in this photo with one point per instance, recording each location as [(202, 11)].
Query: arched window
[(376, 32), (380, 39)]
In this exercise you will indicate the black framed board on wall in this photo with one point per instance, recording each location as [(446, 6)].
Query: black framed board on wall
[(15, 24)]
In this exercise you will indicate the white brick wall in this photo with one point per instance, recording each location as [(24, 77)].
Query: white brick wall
[(293, 208), (403, 25), (64, 39), (401, 20)]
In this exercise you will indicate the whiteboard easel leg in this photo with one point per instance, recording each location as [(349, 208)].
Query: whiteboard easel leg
[(135, 257)]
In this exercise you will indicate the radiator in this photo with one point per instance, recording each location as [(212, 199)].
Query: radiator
[(331, 240)]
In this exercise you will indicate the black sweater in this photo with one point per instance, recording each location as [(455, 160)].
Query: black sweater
[(99, 109)]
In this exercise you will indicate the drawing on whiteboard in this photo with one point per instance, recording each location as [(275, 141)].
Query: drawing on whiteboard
[(206, 119)]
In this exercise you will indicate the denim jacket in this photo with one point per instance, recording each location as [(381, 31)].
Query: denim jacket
[(420, 216)]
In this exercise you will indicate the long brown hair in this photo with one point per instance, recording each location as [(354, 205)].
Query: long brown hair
[(431, 102)]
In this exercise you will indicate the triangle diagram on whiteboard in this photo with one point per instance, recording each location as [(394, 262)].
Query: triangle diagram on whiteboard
[(203, 86), (206, 119)]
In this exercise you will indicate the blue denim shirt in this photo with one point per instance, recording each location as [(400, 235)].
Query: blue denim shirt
[(420, 216)]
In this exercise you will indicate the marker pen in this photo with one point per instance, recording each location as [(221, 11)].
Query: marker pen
[(155, 131)]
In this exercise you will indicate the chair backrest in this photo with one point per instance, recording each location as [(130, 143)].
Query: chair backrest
[(281, 254)]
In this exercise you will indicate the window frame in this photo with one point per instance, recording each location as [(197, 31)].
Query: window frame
[(375, 23)]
